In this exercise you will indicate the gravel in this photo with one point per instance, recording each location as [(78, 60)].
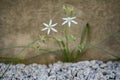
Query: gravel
[(84, 70)]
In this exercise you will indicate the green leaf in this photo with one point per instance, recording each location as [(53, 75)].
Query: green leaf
[(85, 37)]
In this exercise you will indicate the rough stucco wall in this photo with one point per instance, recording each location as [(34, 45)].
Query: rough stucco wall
[(21, 22)]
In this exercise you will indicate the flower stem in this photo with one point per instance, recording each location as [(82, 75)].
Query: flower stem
[(67, 43)]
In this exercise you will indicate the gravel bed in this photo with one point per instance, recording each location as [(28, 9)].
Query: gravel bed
[(84, 70)]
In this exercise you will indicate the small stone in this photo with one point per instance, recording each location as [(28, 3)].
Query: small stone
[(84, 70), (53, 77)]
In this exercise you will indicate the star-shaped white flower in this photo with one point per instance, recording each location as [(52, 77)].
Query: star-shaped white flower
[(69, 20), (49, 27)]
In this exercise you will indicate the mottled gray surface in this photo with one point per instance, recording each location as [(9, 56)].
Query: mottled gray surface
[(21, 22), (84, 70)]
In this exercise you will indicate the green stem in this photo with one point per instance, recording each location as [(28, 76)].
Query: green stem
[(16, 47), (26, 47), (67, 43)]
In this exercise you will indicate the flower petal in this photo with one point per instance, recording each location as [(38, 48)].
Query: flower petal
[(64, 22), (44, 29), (54, 24), (69, 24), (54, 29), (74, 22), (73, 17), (48, 31), (45, 24), (50, 23), (64, 18)]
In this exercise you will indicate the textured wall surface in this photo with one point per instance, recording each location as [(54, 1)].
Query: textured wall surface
[(21, 23)]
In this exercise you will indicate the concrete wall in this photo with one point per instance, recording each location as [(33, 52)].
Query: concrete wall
[(21, 23)]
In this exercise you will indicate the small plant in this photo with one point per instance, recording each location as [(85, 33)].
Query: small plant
[(64, 44), (72, 55)]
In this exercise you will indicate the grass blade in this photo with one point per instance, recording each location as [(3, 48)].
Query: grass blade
[(5, 71), (105, 39)]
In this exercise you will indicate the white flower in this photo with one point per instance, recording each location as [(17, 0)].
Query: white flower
[(69, 20), (49, 27)]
